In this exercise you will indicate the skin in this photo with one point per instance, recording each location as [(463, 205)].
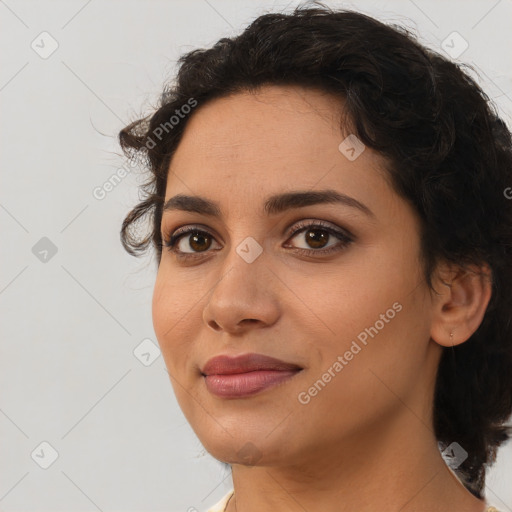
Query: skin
[(365, 442)]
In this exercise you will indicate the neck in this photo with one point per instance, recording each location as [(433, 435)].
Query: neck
[(397, 468)]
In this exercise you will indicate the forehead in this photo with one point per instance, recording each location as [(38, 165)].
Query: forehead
[(279, 118), (281, 138)]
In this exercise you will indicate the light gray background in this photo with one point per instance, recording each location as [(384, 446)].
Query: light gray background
[(70, 324)]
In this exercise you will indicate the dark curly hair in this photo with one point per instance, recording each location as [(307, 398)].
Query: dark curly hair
[(449, 154)]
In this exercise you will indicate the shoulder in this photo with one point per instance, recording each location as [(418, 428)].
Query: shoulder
[(221, 505)]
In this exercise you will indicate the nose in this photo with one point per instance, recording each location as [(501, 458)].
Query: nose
[(243, 297)]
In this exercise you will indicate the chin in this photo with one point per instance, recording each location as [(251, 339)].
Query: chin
[(245, 449)]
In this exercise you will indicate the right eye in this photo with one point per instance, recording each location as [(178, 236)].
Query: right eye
[(197, 239)]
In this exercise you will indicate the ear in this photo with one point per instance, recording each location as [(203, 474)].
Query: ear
[(460, 302)]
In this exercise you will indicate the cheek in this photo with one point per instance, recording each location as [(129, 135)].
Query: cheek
[(162, 309), (366, 366), (175, 310), (375, 316)]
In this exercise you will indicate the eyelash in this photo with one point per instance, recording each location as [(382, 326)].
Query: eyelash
[(345, 239)]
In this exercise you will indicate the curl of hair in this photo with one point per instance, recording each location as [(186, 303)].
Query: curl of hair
[(449, 154)]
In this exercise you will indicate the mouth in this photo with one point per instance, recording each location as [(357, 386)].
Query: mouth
[(227, 365), (239, 385), (246, 375)]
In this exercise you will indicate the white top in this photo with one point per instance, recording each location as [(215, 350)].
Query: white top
[(221, 505)]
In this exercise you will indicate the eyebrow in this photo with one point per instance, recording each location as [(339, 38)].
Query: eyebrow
[(273, 205)]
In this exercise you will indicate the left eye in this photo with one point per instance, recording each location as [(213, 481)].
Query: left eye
[(317, 235)]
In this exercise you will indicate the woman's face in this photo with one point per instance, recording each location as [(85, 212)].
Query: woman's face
[(353, 312)]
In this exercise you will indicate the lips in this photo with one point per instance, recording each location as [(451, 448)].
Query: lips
[(226, 365), (245, 376)]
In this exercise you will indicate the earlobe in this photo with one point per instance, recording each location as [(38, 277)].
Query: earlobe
[(458, 310)]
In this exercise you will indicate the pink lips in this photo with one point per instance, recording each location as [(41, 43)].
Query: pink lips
[(246, 375)]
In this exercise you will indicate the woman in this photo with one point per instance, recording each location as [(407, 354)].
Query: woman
[(329, 211)]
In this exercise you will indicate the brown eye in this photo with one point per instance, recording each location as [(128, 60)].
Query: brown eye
[(197, 240), (316, 237)]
